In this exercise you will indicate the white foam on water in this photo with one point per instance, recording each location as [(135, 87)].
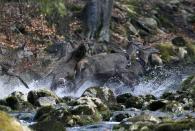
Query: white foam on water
[(7, 87), (155, 86), (66, 91)]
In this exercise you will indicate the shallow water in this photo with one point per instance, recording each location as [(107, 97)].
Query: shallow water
[(155, 83)]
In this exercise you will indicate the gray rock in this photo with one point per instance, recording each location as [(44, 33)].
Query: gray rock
[(46, 101)]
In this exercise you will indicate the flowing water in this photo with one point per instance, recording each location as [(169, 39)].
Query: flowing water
[(156, 82)]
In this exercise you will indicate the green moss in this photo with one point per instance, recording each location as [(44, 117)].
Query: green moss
[(166, 51), (8, 123), (43, 113), (187, 83), (13, 102), (177, 125)]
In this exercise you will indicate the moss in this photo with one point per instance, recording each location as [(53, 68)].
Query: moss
[(13, 102), (187, 83), (166, 51), (8, 123), (177, 125), (43, 113)]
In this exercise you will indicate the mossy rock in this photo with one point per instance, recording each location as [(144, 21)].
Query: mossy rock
[(187, 124), (5, 108), (19, 105), (188, 83), (166, 51), (8, 123), (80, 120), (135, 102), (105, 94), (13, 102), (33, 96), (43, 113), (50, 125)]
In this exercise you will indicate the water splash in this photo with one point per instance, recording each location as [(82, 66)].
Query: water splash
[(158, 83), (9, 86)]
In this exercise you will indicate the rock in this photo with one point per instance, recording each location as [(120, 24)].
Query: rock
[(173, 106), (181, 125), (121, 116), (85, 110), (43, 113), (5, 108), (132, 29), (17, 104), (123, 98), (188, 83), (143, 118), (149, 22), (19, 95), (179, 41), (156, 105), (156, 60), (10, 124), (33, 96), (135, 102), (45, 101), (50, 125), (105, 94), (3, 102), (166, 51)]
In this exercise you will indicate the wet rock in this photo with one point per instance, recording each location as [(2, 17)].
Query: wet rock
[(143, 118), (123, 98), (10, 124), (16, 104), (138, 123), (173, 106), (5, 108), (149, 97), (43, 113), (156, 105), (45, 101), (19, 95), (166, 51), (181, 125), (51, 125), (3, 102), (33, 96), (85, 110), (119, 117), (94, 105), (103, 93), (135, 102), (179, 41), (168, 96)]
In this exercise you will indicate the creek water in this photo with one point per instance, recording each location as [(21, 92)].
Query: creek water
[(155, 83)]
